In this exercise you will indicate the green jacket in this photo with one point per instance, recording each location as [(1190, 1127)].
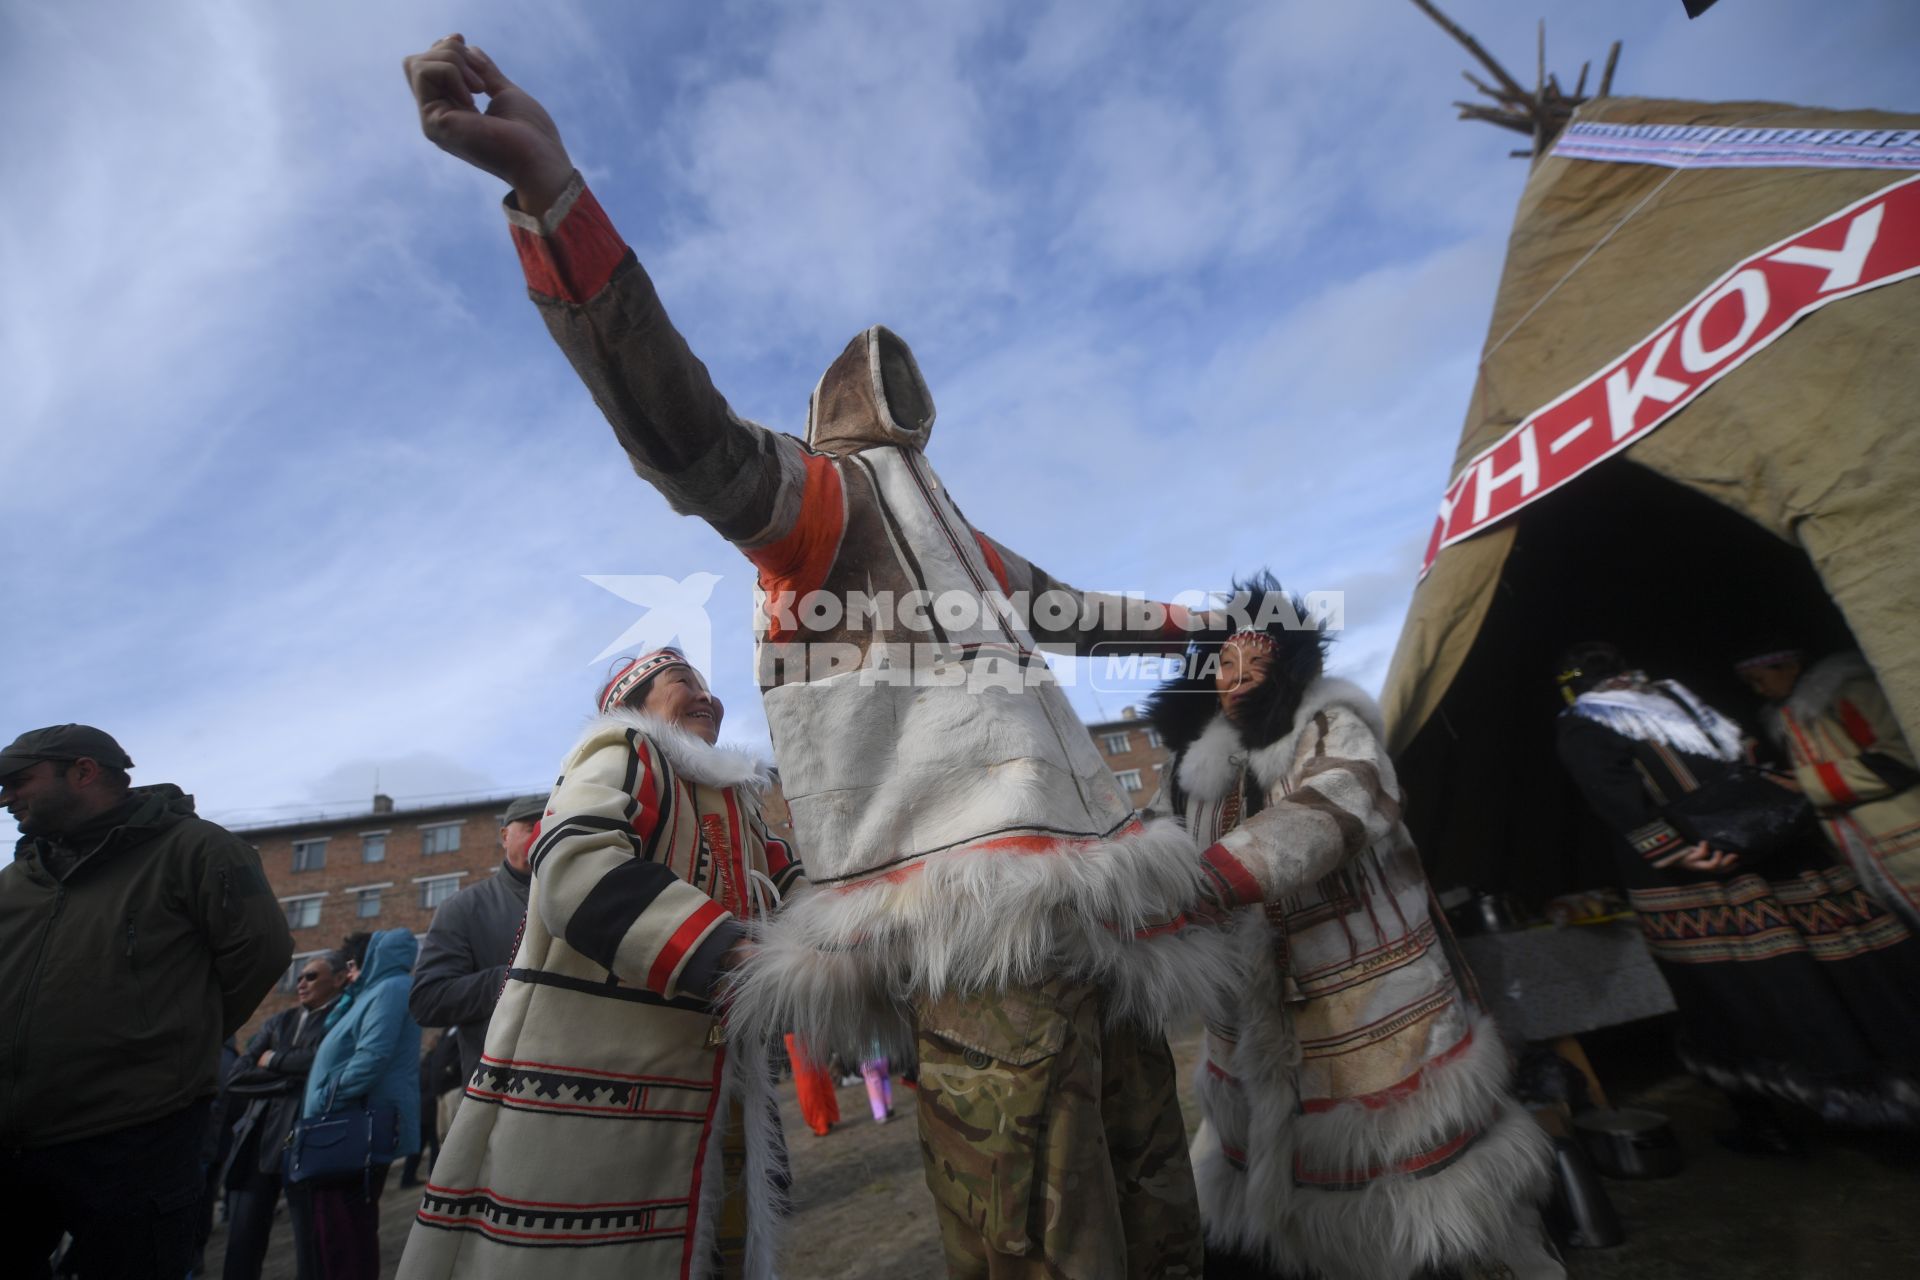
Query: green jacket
[(128, 951)]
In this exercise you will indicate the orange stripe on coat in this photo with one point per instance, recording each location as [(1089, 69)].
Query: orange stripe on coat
[(680, 943), (1835, 784), (798, 562), (575, 262)]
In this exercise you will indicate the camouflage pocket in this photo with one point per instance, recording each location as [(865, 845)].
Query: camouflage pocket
[(989, 1067)]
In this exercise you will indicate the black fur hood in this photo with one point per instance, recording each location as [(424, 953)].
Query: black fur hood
[(1183, 707)]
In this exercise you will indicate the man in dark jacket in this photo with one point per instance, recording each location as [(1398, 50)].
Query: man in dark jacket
[(134, 938), (271, 1082), (463, 963)]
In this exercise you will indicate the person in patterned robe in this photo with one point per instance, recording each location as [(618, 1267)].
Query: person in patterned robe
[(612, 1130), (1849, 756), (1359, 1124), (1792, 982)]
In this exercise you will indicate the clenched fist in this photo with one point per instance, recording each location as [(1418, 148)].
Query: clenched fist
[(514, 139)]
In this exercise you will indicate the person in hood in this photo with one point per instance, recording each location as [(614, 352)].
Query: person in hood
[(1359, 1124), (370, 1057), (981, 890), (1850, 758), (463, 962), (134, 938), (1792, 984), (609, 1093)]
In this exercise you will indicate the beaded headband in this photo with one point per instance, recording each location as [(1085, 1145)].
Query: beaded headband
[(629, 677)]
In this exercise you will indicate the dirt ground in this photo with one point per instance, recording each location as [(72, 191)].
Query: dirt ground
[(1849, 1211)]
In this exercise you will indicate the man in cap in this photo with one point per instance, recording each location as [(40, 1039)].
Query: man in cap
[(134, 938), (463, 963)]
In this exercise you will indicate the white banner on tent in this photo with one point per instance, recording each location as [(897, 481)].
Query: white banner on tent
[(1872, 242), (1693, 146)]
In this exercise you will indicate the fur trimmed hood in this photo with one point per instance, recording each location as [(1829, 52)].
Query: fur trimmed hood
[(1210, 764), (1816, 689), (696, 760), (1188, 706)]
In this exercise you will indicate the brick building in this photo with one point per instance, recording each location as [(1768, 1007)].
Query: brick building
[(387, 868), (390, 868), (1133, 750)]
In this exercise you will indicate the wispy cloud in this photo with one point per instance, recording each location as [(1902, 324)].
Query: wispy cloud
[(294, 486)]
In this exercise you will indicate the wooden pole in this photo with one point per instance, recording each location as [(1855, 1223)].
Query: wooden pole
[(1472, 46), (1606, 77)]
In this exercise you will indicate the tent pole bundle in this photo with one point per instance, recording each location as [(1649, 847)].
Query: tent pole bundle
[(1540, 113)]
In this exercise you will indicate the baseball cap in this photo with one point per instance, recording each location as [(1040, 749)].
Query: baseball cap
[(63, 742), (525, 809)]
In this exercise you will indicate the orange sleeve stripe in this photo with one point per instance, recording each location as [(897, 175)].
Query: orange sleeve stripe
[(1857, 726), (576, 261), (1836, 785), (798, 562), (690, 932), (1240, 887)]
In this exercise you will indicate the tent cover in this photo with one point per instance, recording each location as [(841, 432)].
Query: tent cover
[(1779, 500)]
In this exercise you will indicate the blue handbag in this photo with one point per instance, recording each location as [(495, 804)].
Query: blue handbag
[(342, 1145)]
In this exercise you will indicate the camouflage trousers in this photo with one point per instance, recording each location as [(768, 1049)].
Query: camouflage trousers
[(1053, 1143)]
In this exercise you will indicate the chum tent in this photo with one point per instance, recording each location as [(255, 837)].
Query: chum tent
[(1741, 277)]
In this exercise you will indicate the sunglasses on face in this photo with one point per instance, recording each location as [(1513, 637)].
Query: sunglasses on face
[(308, 977)]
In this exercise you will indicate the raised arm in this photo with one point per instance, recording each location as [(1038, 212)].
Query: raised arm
[(1066, 617), (602, 309), (1339, 803)]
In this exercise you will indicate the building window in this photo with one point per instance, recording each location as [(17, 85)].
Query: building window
[(444, 838), (373, 847), (1116, 744), (291, 978), (1153, 738), (1129, 779), (367, 904), (435, 890), (309, 855), (302, 913)]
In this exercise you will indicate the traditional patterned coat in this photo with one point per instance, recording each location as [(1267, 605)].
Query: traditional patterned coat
[(963, 832), (1860, 773), (609, 1130), (1357, 1115)]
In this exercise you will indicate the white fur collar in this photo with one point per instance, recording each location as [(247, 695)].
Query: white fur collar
[(1814, 692), (1209, 766), (694, 759)]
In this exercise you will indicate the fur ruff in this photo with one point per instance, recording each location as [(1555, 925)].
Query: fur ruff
[(841, 964), (1398, 1224), (692, 757), (1648, 716), (743, 1082), (1814, 692)]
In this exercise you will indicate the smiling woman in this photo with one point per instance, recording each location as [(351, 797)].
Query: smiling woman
[(607, 1092)]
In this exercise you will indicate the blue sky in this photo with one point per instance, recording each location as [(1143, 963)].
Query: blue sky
[(295, 488)]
